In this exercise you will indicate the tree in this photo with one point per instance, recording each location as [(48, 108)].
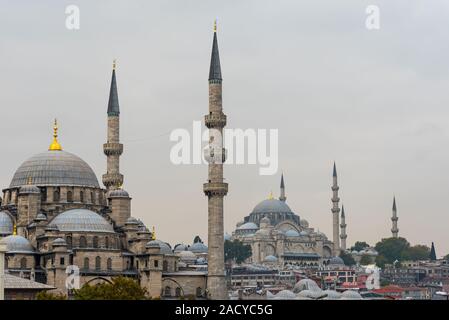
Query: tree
[(359, 245), (381, 261), (392, 249), (347, 258), (236, 250), (121, 288), (365, 260), (415, 253), (44, 295)]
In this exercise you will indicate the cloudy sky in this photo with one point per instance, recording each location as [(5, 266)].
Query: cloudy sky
[(375, 101)]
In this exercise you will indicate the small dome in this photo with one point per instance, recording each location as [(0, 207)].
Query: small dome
[(304, 223), (118, 193), (201, 260), (6, 224), (306, 284), (29, 189), (312, 294), (248, 226), (351, 295), (59, 242), (227, 236), (285, 295), (180, 247), (270, 258), (263, 232), (303, 233), (292, 233), (265, 220), (40, 217), (198, 247), (272, 206), (165, 247), (187, 256), (332, 295), (132, 220), (17, 244), (336, 261), (81, 220)]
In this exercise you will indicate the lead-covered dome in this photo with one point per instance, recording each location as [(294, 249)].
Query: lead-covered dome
[(81, 220), (55, 168), (17, 244), (272, 206)]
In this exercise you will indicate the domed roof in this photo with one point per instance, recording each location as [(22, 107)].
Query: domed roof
[(285, 295), (17, 244), (29, 188), (165, 247), (304, 223), (81, 220), (303, 233), (55, 168), (306, 284), (248, 226), (332, 295), (336, 261), (59, 242), (291, 233), (270, 258), (6, 225), (272, 206), (180, 247), (132, 220), (40, 217), (187, 256), (118, 193), (198, 247), (351, 295)]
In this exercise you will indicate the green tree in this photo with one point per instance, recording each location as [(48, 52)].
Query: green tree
[(418, 252), (347, 258), (359, 245), (392, 249), (236, 251), (381, 261), (446, 257), (365, 260), (121, 288), (44, 295)]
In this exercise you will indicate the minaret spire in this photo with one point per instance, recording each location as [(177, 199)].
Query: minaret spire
[(113, 149), (282, 197), (433, 254), (335, 212), (394, 220), (343, 234), (215, 189), (55, 146)]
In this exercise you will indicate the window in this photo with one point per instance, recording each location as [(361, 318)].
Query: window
[(165, 265), (109, 264), (69, 196), (92, 197), (95, 242), (83, 242), (178, 292), (199, 292), (86, 263), (167, 291), (97, 263), (68, 239), (106, 242), (56, 195), (81, 196), (23, 263), (156, 263), (61, 261), (137, 264), (43, 194)]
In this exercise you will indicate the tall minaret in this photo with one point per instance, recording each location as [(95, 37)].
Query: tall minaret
[(394, 220), (113, 148), (343, 234), (335, 211), (215, 189), (282, 197)]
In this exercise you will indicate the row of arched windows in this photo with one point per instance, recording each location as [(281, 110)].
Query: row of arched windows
[(107, 242), (69, 196), (86, 265)]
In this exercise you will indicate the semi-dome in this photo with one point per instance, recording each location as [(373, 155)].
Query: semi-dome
[(198, 247), (81, 220), (291, 233), (6, 224), (270, 258), (272, 206), (17, 244), (165, 248), (248, 226), (336, 261), (180, 247), (55, 168), (187, 256)]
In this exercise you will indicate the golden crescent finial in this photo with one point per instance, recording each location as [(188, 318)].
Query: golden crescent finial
[(215, 25), (55, 146), (114, 64), (14, 230), (270, 197), (153, 234)]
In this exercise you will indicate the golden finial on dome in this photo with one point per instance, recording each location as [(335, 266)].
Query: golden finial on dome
[(215, 25), (270, 197), (14, 230), (30, 180), (153, 234), (55, 146), (114, 64)]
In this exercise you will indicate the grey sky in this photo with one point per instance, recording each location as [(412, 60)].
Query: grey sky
[(374, 101)]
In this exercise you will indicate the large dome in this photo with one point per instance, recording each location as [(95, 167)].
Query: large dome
[(81, 220), (55, 168), (272, 206)]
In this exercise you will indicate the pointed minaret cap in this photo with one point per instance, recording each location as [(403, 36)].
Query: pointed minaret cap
[(113, 105), (282, 181), (342, 211), (394, 203), (334, 174), (215, 68)]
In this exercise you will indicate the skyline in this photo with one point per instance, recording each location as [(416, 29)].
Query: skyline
[(260, 91)]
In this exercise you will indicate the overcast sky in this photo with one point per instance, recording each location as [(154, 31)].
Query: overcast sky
[(376, 102)]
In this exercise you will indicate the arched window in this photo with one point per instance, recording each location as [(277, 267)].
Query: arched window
[(95, 242), (56, 195), (86, 263), (117, 243), (69, 196), (23, 263), (167, 291), (137, 264), (43, 194), (106, 242), (109, 264), (100, 198), (68, 240), (83, 242), (92, 197), (178, 292), (97, 263), (199, 292), (165, 265), (81, 196)]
